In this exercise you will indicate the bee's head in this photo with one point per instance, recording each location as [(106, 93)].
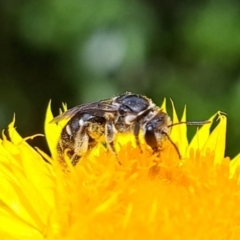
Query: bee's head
[(156, 129)]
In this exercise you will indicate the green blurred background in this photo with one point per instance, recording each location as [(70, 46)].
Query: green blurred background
[(76, 51)]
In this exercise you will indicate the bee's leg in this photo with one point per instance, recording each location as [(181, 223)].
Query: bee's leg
[(60, 151), (136, 131), (110, 136), (81, 144), (65, 147)]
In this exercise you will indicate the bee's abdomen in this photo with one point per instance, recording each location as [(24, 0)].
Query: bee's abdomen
[(79, 135)]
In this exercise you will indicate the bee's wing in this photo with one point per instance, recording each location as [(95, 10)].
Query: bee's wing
[(100, 106)]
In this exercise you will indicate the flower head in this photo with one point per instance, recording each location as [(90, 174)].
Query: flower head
[(146, 197)]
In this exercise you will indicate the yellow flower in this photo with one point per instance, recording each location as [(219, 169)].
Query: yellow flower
[(147, 197)]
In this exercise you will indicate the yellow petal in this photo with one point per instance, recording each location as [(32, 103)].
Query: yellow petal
[(163, 106), (217, 140), (52, 131), (201, 136), (234, 165), (26, 188), (179, 132), (146, 197), (16, 229), (16, 138)]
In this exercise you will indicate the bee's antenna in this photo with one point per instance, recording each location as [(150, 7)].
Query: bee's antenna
[(174, 144), (198, 123)]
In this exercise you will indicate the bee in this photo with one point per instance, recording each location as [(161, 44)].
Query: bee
[(88, 123)]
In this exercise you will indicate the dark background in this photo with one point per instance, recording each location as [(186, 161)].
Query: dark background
[(77, 51)]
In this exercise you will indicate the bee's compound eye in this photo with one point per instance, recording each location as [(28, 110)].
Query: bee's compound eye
[(155, 123), (159, 119), (149, 135), (132, 103)]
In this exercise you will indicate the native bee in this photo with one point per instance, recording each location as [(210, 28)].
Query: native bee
[(125, 113)]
